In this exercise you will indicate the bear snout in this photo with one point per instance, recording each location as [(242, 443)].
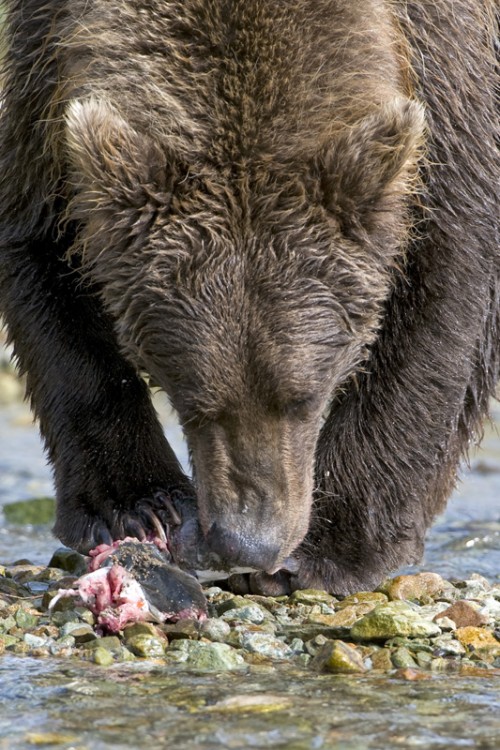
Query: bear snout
[(239, 548)]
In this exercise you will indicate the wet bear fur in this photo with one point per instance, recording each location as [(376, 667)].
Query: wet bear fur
[(286, 215)]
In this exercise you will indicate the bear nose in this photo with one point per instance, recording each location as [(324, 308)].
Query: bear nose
[(242, 548)]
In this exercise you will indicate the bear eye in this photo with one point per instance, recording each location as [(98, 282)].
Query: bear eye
[(300, 407)]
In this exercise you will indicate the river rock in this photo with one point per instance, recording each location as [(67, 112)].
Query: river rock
[(311, 596), (146, 646), (445, 644), (421, 586), (463, 614), (381, 659), (362, 600), (395, 618), (215, 629), (249, 613), (344, 618), (206, 657), (102, 657), (403, 658), (26, 619), (265, 645), (338, 657), (69, 561), (479, 641)]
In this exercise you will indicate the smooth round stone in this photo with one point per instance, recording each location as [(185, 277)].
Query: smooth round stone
[(35, 641), (69, 561), (146, 646), (419, 586), (215, 630), (266, 645), (448, 645), (110, 643), (25, 619), (249, 613), (403, 658), (102, 657), (140, 628), (340, 658), (478, 640), (206, 657), (393, 619), (463, 614)]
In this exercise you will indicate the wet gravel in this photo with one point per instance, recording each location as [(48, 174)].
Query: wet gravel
[(413, 626)]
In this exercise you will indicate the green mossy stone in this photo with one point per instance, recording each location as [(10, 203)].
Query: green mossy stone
[(206, 657), (6, 623), (69, 561), (8, 640), (364, 598), (146, 646), (109, 643), (393, 619), (102, 657), (182, 629), (38, 510), (65, 605), (402, 658), (25, 619), (311, 596), (140, 628), (339, 658)]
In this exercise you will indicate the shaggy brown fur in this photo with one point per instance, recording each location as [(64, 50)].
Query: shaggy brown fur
[(242, 199)]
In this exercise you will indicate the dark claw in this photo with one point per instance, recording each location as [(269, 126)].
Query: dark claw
[(99, 534), (163, 499), (153, 521), (132, 527)]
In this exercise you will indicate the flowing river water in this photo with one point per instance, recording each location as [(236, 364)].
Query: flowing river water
[(71, 704)]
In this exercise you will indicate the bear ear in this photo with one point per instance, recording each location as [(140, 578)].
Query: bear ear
[(112, 162), (370, 163)]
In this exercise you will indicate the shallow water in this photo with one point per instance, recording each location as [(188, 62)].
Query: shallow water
[(148, 706), (69, 704)]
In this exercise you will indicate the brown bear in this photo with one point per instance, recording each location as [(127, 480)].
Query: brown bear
[(285, 213)]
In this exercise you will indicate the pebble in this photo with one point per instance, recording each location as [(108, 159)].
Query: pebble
[(393, 619), (480, 641), (450, 630), (215, 629), (103, 657), (68, 560), (249, 613), (311, 596), (338, 657), (422, 586), (463, 614), (266, 645), (403, 658), (146, 646), (207, 657)]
